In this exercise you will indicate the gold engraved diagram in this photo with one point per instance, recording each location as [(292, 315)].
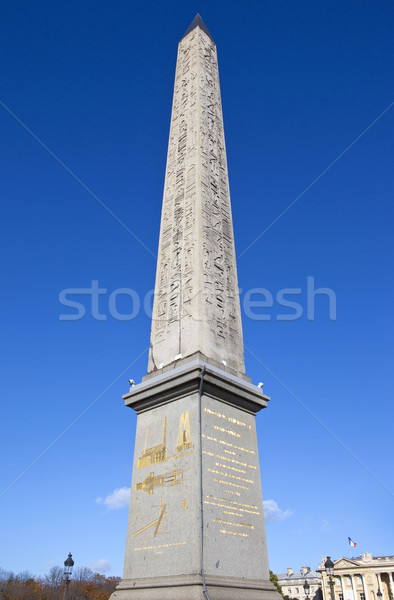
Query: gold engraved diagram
[(156, 523), (185, 501), (150, 483), (184, 435), (154, 454)]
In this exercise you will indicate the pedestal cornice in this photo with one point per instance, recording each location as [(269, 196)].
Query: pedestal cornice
[(191, 587), (184, 380)]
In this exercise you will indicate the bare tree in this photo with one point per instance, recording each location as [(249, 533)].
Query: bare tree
[(83, 574), (84, 585), (54, 577)]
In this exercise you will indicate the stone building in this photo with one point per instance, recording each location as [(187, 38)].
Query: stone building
[(293, 583), (360, 578)]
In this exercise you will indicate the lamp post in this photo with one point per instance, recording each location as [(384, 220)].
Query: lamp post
[(68, 569), (306, 589), (329, 567)]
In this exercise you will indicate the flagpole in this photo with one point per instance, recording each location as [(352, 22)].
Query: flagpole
[(351, 545)]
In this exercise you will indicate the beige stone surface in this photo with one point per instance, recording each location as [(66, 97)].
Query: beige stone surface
[(360, 578), (292, 583), (196, 304)]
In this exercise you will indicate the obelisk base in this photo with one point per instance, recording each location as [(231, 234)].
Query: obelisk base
[(190, 587), (196, 491)]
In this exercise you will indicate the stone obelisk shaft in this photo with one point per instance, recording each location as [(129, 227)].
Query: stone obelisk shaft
[(196, 522), (196, 307)]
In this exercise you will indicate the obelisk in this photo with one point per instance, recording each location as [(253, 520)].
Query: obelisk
[(196, 523)]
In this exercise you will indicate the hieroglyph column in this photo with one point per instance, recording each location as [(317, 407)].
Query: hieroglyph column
[(196, 306)]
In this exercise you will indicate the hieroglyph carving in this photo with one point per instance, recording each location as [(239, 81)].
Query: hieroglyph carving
[(196, 305)]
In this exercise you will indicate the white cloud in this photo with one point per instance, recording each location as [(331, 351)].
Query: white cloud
[(118, 499), (50, 564), (325, 526), (100, 566), (272, 512)]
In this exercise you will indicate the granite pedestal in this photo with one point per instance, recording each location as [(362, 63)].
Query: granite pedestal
[(196, 512)]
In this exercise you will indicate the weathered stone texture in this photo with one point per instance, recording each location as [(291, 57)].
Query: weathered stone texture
[(196, 305)]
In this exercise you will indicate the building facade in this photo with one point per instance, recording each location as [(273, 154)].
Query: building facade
[(292, 583), (360, 578)]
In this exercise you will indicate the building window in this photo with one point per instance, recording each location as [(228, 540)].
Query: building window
[(362, 596), (359, 580), (338, 580), (311, 588), (340, 596), (348, 580), (289, 590), (297, 591)]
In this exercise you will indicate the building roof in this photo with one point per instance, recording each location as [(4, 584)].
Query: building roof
[(365, 558), (311, 574), (363, 561)]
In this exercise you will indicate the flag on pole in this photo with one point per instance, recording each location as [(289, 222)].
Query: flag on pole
[(351, 543)]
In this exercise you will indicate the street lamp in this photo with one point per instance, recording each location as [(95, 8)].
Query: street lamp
[(306, 589), (329, 567), (68, 569)]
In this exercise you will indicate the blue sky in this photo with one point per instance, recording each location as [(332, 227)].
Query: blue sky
[(303, 83)]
